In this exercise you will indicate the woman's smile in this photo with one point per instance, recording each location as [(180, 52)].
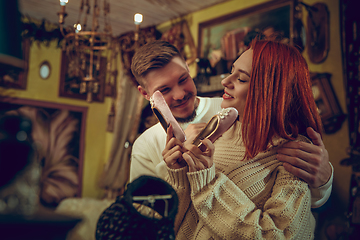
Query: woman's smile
[(227, 96), (236, 85)]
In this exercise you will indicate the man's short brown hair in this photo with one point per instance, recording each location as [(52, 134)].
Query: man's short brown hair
[(153, 55)]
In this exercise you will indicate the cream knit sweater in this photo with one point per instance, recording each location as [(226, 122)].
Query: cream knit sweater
[(234, 199)]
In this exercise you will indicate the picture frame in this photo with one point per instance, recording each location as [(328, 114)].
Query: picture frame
[(18, 80), (326, 101), (69, 125), (70, 83), (221, 40), (179, 35)]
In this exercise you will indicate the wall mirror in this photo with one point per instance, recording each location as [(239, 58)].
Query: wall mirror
[(45, 70)]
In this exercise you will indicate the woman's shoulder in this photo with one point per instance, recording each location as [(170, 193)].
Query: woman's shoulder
[(278, 141), (303, 138)]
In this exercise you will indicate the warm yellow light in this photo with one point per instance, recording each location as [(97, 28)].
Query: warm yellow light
[(138, 18), (77, 27), (63, 2)]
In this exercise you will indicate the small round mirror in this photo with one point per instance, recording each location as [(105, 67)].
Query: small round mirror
[(45, 70)]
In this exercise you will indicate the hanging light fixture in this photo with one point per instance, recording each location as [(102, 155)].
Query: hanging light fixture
[(128, 42), (138, 18), (86, 49)]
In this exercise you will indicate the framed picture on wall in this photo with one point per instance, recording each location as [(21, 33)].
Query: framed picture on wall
[(71, 76), (326, 101), (223, 39), (14, 79), (58, 135)]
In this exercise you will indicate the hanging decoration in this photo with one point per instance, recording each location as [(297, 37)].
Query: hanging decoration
[(85, 48), (41, 32)]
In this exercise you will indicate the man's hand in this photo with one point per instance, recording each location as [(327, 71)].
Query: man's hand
[(173, 151), (309, 162), (198, 160)]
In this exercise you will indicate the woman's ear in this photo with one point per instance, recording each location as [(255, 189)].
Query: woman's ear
[(144, 92)]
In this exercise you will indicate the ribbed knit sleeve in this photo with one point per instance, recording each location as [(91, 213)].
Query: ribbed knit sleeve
[(178, 180), (200, 179), (177, 177)]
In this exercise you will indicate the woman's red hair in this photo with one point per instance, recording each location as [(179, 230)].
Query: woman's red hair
[(280, 100)]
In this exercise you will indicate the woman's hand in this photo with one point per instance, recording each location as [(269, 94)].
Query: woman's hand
[(173, 151), (198, 160), (192, 131)]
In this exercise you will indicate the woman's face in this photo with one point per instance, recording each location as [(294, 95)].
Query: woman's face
[(237, 83)]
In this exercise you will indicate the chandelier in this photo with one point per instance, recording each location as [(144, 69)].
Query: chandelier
[(87, 50)]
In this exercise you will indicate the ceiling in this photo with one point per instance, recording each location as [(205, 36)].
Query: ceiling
[(121, 14)]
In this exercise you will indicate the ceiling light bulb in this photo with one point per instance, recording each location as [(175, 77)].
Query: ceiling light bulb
[(63, 2), (77, 27), (138, 18)]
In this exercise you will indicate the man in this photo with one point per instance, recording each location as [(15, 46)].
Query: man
[(159, 66)]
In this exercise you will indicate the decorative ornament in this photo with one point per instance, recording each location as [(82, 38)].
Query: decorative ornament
[(318, 32)]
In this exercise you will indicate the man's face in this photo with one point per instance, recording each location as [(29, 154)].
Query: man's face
[(176, 85)]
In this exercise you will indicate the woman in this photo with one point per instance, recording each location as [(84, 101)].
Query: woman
[(237, 189)]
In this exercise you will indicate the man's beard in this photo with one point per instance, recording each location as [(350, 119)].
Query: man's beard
[(187, 119), (192, 116)]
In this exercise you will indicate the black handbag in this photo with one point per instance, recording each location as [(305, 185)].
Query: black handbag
[(123, 220)]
